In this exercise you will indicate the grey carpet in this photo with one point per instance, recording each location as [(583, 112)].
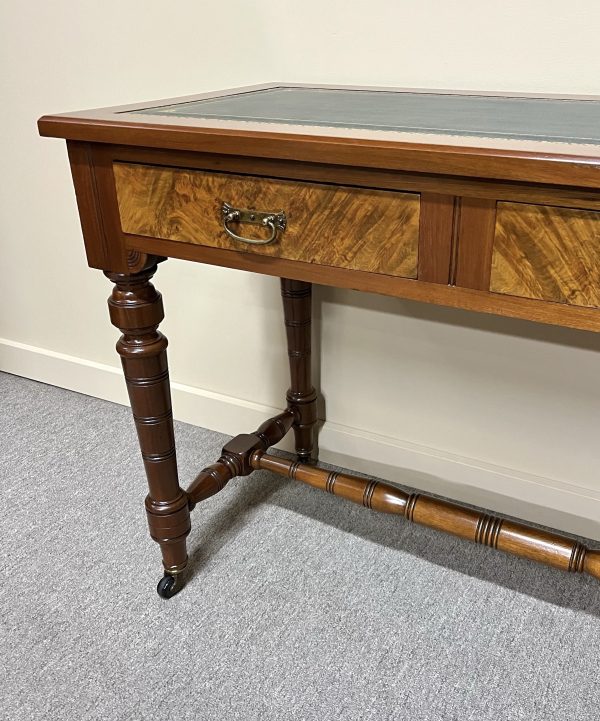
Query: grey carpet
[(300, 605)]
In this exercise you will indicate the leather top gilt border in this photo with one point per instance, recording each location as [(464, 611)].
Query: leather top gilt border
[(494, 158)]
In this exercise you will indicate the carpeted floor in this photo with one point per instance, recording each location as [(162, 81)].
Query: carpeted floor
[(300, 605)]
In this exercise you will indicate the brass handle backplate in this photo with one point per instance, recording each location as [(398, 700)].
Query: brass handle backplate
[(273, 221)]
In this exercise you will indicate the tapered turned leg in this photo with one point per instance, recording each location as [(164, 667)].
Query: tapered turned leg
[(301, 396), (136, 309)]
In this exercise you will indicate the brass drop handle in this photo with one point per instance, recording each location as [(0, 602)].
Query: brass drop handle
[(273, 221)]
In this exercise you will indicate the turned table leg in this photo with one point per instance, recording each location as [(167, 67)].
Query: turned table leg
[(136, 309), (301, 396)]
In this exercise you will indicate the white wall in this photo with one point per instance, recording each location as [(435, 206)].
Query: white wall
[(494, 411)]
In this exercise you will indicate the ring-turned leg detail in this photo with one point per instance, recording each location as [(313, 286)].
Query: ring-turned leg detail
[(301, 396), (136, 309)]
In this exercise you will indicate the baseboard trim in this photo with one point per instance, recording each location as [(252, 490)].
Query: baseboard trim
[(200, 407), (551, 502)]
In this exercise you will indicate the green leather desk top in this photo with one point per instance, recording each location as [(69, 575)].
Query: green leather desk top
[(490, 116)]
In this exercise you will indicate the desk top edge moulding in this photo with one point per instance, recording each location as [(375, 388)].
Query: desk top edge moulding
[(482, 125), (483, 201)]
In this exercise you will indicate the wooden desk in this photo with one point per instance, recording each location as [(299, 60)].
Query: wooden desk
[(477, 201)]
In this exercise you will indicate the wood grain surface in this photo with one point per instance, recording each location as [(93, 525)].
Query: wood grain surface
[(437, 237), (547, 253), (519, 539), (468, 186), (477, 217), (356, 228)]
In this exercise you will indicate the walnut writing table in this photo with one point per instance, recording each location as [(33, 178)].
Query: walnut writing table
[(478, 201)]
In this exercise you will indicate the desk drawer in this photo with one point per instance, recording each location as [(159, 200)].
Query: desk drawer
[(342, 226), (547, 253)]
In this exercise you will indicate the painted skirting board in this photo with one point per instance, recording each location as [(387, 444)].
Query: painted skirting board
[(548, 501)]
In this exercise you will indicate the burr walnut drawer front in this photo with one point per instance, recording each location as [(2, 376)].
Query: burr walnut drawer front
[(547, 253), (333, 225)]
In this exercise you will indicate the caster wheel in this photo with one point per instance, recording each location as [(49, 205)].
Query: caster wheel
[(168, 586)]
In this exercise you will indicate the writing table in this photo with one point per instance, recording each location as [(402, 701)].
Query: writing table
[(489, 202)]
